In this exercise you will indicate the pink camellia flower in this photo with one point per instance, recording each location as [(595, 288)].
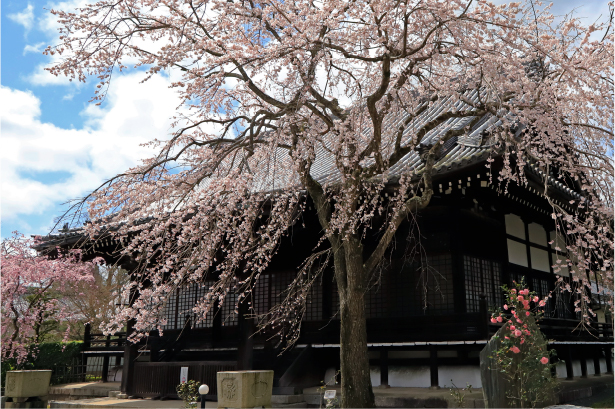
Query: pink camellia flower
[(519, 321), (513, 291), (493, 320), (505, 307), (535, 298), (499, 319), (544, 360), (542, 303), (512, 327), (524, 292), (522, 341), (506, 337), (526, 307), (517, 333), (527, 313), (520, 298), (515, 350)]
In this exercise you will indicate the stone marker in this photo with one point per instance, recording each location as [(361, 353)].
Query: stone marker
[(245, 389), (21, 385), (27, 384)]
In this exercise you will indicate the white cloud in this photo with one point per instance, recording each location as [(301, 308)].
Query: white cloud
[(109, 143), (42, 77), (36, 48), (24, 18)]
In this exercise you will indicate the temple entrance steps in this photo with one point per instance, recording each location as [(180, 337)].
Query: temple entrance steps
[(83, 390)]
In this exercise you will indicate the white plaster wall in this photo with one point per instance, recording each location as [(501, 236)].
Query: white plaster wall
[(460, 376), (409, 376), (576, 367), (560, 369), (419, 376), (517, 252), (374, 374), (590, 366), (603, 365)]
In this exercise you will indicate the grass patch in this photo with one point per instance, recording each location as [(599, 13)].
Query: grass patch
[(606, 403)]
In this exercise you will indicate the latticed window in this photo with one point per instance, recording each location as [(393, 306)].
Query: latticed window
[(229, 316), (260, 295), (437, 274), (170, 311), (409, 289), (201, 290), (313, 308), (376, 297), (180, 303), (482, 277)]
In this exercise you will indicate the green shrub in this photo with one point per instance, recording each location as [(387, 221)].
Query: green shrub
[(47, 355), (52, 354)]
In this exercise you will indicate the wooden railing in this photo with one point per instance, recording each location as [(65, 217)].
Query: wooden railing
[(102, 342), (105, 345)]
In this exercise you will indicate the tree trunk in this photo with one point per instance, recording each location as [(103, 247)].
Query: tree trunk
[(350, 276)]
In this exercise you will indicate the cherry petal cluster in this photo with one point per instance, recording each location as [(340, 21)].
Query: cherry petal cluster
[(31, 289), (324, 106)]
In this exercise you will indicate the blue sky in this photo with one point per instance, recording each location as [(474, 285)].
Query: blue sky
[(55, 145)]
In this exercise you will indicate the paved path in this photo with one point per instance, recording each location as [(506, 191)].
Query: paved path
[(580, 393)]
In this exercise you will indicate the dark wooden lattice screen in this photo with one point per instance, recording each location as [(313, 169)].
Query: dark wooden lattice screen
[(180, 304), (482, 277)]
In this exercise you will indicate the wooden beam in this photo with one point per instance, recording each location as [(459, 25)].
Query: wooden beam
[(433, 368), (384, 368)]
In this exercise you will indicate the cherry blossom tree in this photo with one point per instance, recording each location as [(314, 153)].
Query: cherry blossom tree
[(32, 287), (290, 104)]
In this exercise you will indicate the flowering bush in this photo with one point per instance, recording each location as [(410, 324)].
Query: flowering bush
[(522, 357), (31, 291), (189, 393)]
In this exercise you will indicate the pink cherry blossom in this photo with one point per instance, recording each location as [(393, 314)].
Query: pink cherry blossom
[(41, 279), (272, 88)]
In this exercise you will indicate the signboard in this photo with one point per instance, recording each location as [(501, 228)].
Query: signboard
[(330, 394), (183, 374)]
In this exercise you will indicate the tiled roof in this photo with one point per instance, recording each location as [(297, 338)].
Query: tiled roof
[(458, 152)]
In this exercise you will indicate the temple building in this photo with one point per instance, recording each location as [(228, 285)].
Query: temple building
[(428, 308)]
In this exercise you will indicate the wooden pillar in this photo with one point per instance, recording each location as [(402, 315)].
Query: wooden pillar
[(245, 347), (433, 368), (483, 323), (553, 362), (105, 367), (130, 355), (583, 362), (609, 363), (597, 355), (87, 343), (87, 337), (384, 368), (327, 295), (569, 371), (216, 328)]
